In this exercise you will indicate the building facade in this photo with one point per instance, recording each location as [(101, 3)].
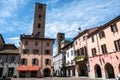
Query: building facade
[(69, 62), (9, 59), (36, 50), (57, 63), (81, 52), (104, 50)]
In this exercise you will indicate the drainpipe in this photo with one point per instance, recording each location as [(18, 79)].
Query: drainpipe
[(98, 44), (88, 65), (41, 69)]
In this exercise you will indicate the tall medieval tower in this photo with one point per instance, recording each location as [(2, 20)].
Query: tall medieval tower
[(36, 50), (39, 20), (60, 37)]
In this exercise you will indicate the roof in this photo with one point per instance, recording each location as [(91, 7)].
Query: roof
[(104, 26), (67, 44), (109, 23), (92, 33), (80, 34), (89, 31), (9, 46), (1, 37), (32, 37), (8, 51), (40, 3)]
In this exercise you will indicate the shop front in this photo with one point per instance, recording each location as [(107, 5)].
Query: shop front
[(28, 71), (82, 68)]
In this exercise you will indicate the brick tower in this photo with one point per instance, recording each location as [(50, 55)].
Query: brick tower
[(39, 20), (60, 37)]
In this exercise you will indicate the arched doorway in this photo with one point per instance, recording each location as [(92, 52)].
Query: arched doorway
[(46, 72), (98, 73), (119, 68), (83, 70), (109, 71)]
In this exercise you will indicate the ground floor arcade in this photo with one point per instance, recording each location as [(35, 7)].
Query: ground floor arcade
[(9, 72), (105, 66), (82, 69), (68, 71)]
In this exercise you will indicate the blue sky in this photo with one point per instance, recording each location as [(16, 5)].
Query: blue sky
[(16, 16)]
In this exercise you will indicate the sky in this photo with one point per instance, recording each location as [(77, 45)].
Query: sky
[(65, 16)]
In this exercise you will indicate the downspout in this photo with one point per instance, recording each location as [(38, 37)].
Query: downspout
[(41, 59), (98, 44), (87, 63)]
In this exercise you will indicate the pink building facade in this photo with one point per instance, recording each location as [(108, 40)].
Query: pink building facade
[(104, 50), (36, 57), (81, 52), (36, 50)]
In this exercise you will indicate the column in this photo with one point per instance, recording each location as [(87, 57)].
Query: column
[(76, 70), (67, 72), (71, 72)]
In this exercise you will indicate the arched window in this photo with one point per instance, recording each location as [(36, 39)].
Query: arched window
[(98, 72), (47, 61), (23, 61), (109, 71), (34, 61)]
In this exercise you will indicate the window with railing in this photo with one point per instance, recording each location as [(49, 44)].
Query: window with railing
[(117, 45), (114, 27), (35, 51), (104, 49), (23, 61), (101, 34), (92, 38), (34, 61), (25, 51), (93, 52), (47, 61)]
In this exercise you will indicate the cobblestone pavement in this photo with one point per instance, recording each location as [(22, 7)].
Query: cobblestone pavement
[(61, 78)]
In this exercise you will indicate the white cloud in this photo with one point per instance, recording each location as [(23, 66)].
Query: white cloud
[(16, 27), (14, 40), (69, 17), (51, 2), (10, 7)]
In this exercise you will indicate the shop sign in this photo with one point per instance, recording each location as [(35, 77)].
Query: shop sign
[(81, 58)]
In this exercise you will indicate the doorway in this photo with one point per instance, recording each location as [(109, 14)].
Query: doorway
[(10, 72), (33, 73), (1, 72), (83, 70), (22, 74), (109, 71), (98, 73), (46, 72)]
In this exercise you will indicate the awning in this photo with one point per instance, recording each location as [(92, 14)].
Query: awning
[(33, 68), (28, 68), (22, 68)]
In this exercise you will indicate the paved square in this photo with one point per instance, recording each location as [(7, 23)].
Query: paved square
[(61, 78)]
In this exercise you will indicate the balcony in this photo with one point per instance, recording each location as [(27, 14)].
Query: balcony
[(80, 58)]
